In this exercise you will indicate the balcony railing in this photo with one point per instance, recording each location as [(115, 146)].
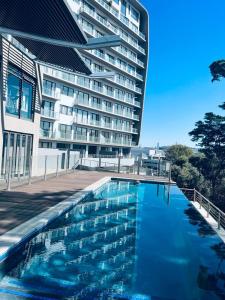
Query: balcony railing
[(136, 117), (122, 19), (127, 39), (104, 125), (49, 92), (65, 135), (49, 113), (206, 206), (47, 133), (77, 81), (94, 139), (81, 138)]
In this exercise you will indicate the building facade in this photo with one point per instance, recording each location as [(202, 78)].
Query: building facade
[(97, 115), (20, 110)]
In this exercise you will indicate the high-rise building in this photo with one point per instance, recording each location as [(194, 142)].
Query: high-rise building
[(25, 41), (97, 114)]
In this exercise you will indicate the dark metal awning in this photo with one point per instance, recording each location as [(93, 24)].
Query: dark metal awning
[(48, 19), (49, 30), (67, 58)]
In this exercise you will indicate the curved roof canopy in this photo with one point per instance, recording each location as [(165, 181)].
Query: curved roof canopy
[(51, 19), (39, 25)]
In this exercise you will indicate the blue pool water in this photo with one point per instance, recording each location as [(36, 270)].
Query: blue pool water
[(125, 241)]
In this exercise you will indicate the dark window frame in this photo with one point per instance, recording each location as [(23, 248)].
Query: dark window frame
[(23, 77)]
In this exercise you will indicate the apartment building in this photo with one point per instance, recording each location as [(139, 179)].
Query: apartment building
[(99, 114), (50, 39)]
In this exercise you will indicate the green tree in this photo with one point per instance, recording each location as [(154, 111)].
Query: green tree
[(178, 154), (182, 171), (209, 135)]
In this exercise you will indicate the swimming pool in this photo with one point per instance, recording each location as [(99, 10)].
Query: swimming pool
[(127, 240)]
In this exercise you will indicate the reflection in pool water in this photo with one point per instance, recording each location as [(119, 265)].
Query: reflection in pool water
[(126, 241)]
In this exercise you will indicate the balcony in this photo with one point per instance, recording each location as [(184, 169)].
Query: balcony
[(78, 82), (81, 138), (103, 108), (135, 130), (47, 133), (114, 63), (50, 93), (126, 39), (132, 58), (122, 19), (94, 139), (136, 117), (65, 135), (51, 114), (118, 127), (95, 123)]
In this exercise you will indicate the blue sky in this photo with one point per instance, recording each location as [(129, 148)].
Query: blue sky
[(185, 37)]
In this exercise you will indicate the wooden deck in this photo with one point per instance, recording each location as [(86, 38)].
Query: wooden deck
[(27, 201)]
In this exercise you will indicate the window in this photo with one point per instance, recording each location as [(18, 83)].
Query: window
[(118, 124), (123, 7), (87, 26), (89, 6), (48, 105), (107, 122), (13, 95), (67, 76), (101, 19), (97, 85), (65, 131), (107, 105), (106, 135), (83, 98), (95, 119), (45, 145), (84, 81), (109, 90), (67, 91), (134, 14), (131, 69), (116, 1), (66, 110), (99, 53), (122, 64), (119, 94), (99, 34), (82, 116), (97, 68), (45, 125), (111, 59), (118, 109), (96, 102), (87, 61), (48, 109), (20, 94), (93, 133), (80, 131), (49, 87)]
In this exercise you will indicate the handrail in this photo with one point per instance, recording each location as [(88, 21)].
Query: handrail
[(212, 210)]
